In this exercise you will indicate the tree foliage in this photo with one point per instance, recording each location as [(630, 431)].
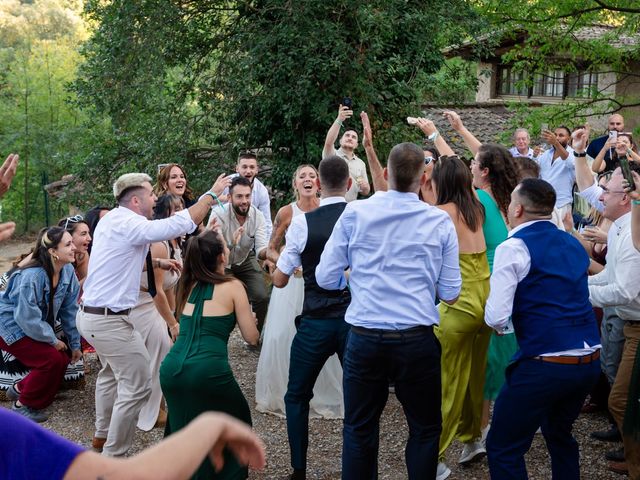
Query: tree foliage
[(559, 35), (196, 81), (38, 52)]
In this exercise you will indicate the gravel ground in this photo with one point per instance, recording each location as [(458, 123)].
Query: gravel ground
[(72, 415)]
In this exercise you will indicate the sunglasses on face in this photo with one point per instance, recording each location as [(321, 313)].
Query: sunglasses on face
[(428, 160)]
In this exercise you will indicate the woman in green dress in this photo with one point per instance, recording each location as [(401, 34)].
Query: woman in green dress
[(495, 176), (195, 376)]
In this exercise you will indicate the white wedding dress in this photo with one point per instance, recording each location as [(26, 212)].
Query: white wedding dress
[(273, 366)]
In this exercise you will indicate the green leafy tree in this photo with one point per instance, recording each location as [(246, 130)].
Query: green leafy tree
[(38, 51), (197, 81)]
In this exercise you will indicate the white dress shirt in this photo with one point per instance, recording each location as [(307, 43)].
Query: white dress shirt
[(296, 239), (561, 174), (511, 265), (357, 168), (120, 244), (401, 252), (592, 195), (618, 285)]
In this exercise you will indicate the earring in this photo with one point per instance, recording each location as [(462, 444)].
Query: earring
[(55, 257)]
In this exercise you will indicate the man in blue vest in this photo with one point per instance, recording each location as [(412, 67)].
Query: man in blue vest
[(321, 329), (539, 280)]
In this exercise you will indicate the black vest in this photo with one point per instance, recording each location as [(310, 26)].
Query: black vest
[(318, 302)]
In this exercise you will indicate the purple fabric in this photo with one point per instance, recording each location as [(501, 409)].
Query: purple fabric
[(28, 451)]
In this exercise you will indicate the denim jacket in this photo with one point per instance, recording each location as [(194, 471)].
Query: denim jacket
[(25, 303)]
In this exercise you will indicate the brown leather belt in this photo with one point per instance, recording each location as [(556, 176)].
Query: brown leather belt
[(104, 311), (569, 360)]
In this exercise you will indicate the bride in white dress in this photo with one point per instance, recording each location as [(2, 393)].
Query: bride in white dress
[(285, 305)]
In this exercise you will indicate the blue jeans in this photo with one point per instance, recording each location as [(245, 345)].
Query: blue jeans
[(538, 394), (410, 359), (315, 341)]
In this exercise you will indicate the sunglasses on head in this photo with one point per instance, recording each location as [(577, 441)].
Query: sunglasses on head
[(74, 219)]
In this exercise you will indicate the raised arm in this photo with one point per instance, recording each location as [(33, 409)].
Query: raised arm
[(598, 163), (430, 130), (470, 140), (552, 139), (584, 175), (332, 135), (377, 172), (199, 210)]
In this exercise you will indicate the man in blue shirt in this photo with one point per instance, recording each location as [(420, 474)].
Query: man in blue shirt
[(401, 253)]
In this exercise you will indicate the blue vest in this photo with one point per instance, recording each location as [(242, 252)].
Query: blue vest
[(551, 308)]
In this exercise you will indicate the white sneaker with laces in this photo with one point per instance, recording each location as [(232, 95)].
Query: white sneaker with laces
[(471, 451), (443, 471)]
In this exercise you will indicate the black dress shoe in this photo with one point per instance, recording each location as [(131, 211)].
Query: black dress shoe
[(616, 455), (611, 435), (298, 474)]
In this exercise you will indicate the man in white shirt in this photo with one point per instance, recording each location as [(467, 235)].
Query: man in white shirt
[(348, 146), (557, 166), (521, 141), (539, 283), (618, 286), (120, 245)]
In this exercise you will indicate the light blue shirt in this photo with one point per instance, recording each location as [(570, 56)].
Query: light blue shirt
[(401, 252), (561, 174), (296, 240)]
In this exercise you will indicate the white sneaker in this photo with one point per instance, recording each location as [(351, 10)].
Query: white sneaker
[(471, 451), (485, 432), (443, 471)]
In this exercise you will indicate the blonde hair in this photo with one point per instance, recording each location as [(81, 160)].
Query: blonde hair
[(295, 175)]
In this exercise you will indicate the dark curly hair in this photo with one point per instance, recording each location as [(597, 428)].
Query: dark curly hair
[(503, 172)]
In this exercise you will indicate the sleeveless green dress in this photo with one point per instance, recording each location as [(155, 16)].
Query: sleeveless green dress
[(196, 377), (501, 348)]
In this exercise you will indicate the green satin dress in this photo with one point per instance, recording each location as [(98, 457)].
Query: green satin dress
[(196, 377), (501, 348)]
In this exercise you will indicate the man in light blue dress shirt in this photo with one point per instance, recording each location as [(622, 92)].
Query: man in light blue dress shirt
[(402, 255)]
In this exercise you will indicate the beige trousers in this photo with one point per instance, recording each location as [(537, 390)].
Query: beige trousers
[(620, 395), (124, 382)]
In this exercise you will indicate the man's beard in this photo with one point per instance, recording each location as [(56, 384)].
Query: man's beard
[(239, 211)]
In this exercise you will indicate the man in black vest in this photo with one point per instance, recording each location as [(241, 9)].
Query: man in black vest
[(321, 329)]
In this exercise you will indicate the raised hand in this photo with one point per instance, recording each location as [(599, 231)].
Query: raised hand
[(223, 181), (7, 172), (344, 113), (454, 120), (427, 126), (367, 134)]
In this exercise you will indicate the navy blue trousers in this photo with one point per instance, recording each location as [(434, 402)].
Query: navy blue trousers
[(538, 394), (315, 341), (412, 361)]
